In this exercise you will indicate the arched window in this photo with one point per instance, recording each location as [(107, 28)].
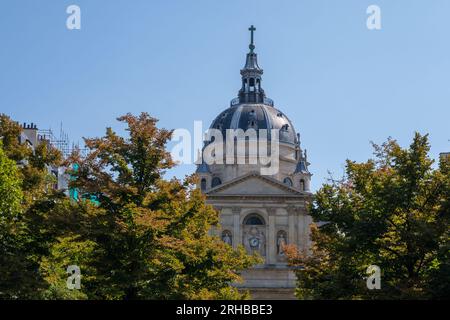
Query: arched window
[(215, 182), (252, 84), (302, 185), (288, 182), (254, 220), (203, 184)]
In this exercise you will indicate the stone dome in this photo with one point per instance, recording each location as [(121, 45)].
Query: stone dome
[(256, 116)]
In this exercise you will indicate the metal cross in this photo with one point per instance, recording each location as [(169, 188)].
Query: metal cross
[(251, 46)]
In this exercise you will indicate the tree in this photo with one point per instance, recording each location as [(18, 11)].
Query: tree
[(10, 191), (392, 211), (151, 236), (26, 191), (10, 132), (10, 229), (142, 238)]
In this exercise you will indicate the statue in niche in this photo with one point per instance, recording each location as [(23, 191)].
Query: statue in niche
[(281, 242), (226, 237)]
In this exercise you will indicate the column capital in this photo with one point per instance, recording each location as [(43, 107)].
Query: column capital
[(236, 210)]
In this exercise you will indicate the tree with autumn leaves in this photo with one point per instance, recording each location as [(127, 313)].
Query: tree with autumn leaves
[(143, 238), (151, 235), (392, 211)]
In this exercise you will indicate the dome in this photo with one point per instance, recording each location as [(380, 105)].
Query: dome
[(251, 109), (252, 113), (256, 116)]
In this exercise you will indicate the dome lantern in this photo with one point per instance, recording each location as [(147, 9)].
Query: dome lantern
[(251, 90)]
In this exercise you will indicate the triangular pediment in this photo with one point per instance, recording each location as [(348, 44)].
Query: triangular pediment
[(253, 184)]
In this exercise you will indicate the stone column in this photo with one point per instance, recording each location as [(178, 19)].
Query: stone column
[(292, 236), (237, 237), (308, 242), (302, 229), (271, 257)]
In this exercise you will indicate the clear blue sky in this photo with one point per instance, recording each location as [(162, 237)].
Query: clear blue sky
[(341, 84)]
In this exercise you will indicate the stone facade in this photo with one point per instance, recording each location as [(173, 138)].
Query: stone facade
[(263, 214)]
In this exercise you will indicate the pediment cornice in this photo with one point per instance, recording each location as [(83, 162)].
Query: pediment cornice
[(287, 191)]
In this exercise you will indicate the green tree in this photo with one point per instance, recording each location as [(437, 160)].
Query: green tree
[(10, 132), (151, 236), (33, 164), (391, 211), (11, 228), (68, 251), (10, 190), (26, 193)]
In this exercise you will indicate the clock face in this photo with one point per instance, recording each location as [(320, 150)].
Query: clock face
[(254, 242)]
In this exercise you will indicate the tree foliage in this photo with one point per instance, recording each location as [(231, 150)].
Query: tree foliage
[(392, 211), (11, 231), (143, 237), (25, 187), (150, 237)]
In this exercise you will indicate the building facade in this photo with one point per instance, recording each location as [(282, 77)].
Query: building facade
[(263, 212)]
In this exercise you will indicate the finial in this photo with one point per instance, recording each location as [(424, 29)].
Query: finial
[(251, 46)]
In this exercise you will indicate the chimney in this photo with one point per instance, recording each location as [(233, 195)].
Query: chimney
[(30, 130)]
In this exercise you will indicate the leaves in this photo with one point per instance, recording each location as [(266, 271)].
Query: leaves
[(153, 233), (391, 211), (23, 184), (142, 238)]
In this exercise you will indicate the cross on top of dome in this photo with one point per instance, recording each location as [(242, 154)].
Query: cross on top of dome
[(251, 46)]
